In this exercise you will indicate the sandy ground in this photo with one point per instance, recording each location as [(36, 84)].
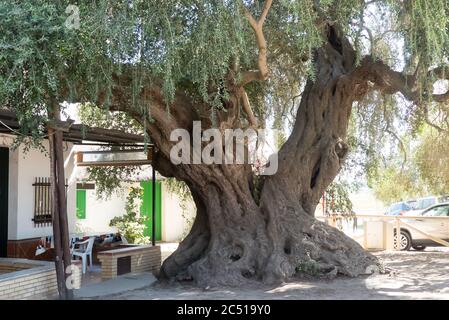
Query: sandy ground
[(415, 275)]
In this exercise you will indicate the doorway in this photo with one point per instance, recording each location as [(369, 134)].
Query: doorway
[(4, 173)]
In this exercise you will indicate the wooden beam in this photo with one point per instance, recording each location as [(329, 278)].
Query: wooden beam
[(74, 132), (437, 240), (85, 186), (114, 163)]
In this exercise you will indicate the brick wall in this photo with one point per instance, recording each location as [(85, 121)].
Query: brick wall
[(143, 259), (39, 279)]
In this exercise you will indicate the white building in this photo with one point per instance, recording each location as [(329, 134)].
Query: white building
[(26, 197)]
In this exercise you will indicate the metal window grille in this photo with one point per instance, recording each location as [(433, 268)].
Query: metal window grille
[(43, 211)]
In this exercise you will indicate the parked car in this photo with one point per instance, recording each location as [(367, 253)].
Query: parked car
[(410, 238), (398, 209), (412, 203), (419, 205)]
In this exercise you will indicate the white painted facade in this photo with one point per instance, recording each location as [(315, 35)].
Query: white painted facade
[(99, 212), (175, 222), (24, 167)]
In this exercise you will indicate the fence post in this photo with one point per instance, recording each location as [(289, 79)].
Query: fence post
[(398, 234)]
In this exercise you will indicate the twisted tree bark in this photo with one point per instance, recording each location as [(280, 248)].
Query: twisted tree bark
[(239, 236)]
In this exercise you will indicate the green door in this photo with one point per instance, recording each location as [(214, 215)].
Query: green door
[(146, 208)]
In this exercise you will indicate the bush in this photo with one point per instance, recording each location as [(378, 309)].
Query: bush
[(132, 225), (310, 268)]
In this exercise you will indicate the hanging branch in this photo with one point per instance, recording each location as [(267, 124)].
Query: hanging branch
[(257, 26), (262, 73)]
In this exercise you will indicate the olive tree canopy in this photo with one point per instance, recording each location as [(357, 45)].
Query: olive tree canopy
[(302, 65)]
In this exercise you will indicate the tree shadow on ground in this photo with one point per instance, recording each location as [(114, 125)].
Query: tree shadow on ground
[(414, 275)]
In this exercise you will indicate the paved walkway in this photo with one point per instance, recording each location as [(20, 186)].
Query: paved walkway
[(94, 287), (119, 285)]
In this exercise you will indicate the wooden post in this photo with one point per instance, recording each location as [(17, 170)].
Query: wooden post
[(61, 231), (63, 220), (153, 202), (59, 265), (398, 234)]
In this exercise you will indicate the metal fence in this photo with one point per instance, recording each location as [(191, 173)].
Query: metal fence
[(398, 223)]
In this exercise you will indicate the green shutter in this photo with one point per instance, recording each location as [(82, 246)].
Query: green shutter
[(81, 204)]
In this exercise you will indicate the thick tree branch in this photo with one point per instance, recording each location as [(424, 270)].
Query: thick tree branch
[(383, 78), (257, 26), (247, 108), (389, 81)]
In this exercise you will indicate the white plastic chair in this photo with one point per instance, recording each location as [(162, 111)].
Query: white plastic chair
[(84, 251)]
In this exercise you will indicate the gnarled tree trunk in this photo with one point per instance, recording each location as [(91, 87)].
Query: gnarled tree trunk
[(239, 236)]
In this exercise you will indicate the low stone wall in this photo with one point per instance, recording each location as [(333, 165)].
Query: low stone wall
[(26, 278), (7, 267), (145, 258)]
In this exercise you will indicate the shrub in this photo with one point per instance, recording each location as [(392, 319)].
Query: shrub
[(132, 224)]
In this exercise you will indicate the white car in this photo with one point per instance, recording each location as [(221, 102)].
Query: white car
[(422, 204), (438, 228)]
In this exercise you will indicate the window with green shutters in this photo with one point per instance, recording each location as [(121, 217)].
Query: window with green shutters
[(81, 204)]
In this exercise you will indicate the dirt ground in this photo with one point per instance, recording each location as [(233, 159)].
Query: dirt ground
[(415, 275)]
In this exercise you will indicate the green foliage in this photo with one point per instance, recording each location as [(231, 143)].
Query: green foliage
[(32, 44), (310, 267), (425, 29), (194, 46), (393, 185), (189, 45), (94, 116), (423, 172), (132, 225), (110, 179), (432, 162), (337, 199)]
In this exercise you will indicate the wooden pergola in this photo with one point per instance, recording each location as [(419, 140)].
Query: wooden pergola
[(75, 133), (57, 132)]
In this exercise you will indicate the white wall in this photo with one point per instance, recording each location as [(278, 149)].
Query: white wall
[(99, 213), (24, 167), (175, 223)]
